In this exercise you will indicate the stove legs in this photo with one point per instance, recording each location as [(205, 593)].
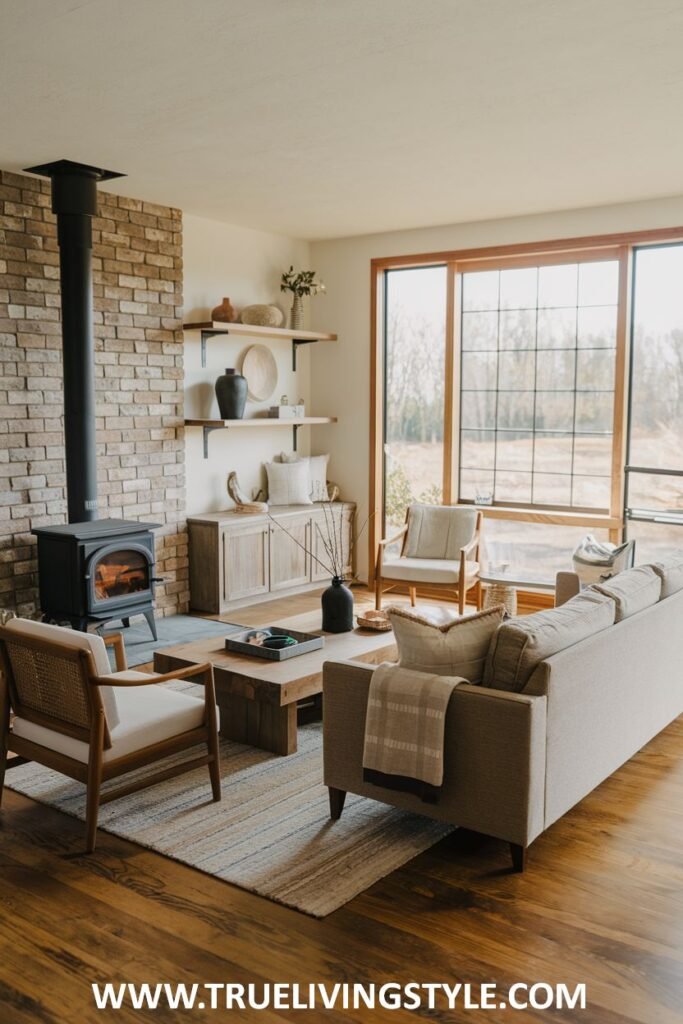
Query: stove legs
[(151, 623)]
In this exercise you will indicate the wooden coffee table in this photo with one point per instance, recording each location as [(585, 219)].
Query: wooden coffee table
[(258, 698)]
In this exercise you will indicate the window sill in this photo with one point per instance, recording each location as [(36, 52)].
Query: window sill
[(556, 517)]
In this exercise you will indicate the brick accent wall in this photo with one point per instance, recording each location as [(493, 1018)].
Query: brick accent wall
[(137, 260)]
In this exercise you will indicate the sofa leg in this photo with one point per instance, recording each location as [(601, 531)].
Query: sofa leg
[(337, 798), (413, 595), (518, 854)]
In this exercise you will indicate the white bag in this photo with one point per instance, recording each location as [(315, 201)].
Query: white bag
[(595, 560)]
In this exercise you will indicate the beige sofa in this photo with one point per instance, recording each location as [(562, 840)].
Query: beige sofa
[(516, 762)]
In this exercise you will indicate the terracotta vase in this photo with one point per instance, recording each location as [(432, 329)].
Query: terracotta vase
[(224, 313)]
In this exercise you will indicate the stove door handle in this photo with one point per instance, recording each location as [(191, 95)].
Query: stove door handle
[(159, 579)]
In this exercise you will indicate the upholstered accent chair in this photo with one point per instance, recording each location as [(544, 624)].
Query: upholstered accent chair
[(439, 550), (76, 716)]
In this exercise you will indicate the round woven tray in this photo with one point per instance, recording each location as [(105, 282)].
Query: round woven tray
[(374, 620)]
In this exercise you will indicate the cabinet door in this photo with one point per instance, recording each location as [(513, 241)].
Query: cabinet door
[(289, 558), (335, 525), (245, 562)]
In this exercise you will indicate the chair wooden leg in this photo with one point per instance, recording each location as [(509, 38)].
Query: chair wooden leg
[(479, 596), (413, 595), (461, 600), (93, 799), (378, 593), (215, 766), (94, 781), (518, 854), (337, 798)]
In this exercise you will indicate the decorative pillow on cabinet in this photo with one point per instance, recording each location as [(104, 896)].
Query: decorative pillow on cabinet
[(289, 483), (317, 465)]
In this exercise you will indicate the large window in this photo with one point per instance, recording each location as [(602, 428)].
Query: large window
[(415, 345), (518, 381), (538, 348), (654, 496)]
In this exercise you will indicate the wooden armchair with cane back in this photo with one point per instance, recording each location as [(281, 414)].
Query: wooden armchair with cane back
[(439, 550), (76, 716)]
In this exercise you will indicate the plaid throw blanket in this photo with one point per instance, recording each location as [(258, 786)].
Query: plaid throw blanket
[(404, 730)]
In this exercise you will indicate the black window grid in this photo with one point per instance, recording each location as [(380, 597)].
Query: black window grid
[(533, 431)]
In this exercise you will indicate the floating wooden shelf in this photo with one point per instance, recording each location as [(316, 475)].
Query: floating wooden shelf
[(257, 421), (211, 328)]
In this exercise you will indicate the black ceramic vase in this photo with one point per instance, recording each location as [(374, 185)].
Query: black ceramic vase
[(337, 602), (231, 392)]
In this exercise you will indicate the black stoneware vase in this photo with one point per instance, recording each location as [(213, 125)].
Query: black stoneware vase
[(231, 392), (337, 602)]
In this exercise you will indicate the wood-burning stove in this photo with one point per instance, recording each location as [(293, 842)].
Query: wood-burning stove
[(90, 569), (97, 571)]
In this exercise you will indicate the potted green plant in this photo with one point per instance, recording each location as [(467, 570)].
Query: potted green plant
[(300, 283)]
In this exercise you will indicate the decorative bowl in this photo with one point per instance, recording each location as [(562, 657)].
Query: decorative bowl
[(374, 620), (262, 316)]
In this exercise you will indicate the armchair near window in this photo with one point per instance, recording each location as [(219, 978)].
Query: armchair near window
[(439, 550), (76, 716)]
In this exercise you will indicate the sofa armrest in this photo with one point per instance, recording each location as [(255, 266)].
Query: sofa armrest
[(494, 764)]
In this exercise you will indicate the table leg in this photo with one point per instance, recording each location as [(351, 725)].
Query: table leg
[(261, 725)]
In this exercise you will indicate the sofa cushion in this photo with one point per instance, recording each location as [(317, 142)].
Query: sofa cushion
[(74, 638), (670, 572), (429, 570), (148, 714), (438, 641), (632, 590), (520, 644)]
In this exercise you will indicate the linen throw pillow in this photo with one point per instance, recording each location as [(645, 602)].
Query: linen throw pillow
[(438, 641), (317, 465), (632, 590), (522, 643), (289, 484)]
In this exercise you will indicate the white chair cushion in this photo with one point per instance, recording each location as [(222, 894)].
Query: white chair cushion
[(73, 639), (439, 531), (148, 714), (428, 570)]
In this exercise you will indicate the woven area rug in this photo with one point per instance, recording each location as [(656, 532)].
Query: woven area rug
[(270, 834)]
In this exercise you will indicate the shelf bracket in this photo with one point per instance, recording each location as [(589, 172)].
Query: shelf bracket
[(295, 344), (204, 335), (205, 436), (295, 431)]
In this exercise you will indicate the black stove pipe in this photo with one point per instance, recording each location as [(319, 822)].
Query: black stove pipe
[(74, 201)]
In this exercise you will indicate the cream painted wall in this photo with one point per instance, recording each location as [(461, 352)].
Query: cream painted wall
[(340, 373), (219, 260)]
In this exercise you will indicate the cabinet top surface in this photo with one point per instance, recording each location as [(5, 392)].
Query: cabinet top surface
[(229, 516)]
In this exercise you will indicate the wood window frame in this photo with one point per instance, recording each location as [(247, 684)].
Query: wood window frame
[(618, 246)]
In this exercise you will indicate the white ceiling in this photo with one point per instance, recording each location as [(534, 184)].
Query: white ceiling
[(320, 118)]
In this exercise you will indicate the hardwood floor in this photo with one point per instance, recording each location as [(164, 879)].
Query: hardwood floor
[(601, 903)]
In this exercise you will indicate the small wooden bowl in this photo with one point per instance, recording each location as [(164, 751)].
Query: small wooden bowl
[(374, 620)]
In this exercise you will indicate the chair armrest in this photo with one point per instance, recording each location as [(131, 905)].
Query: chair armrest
[(469, 548), (154, 678), (397, 536), (116, 641)]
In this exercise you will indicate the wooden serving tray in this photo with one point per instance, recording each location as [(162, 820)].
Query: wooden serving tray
[(305, 642)]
